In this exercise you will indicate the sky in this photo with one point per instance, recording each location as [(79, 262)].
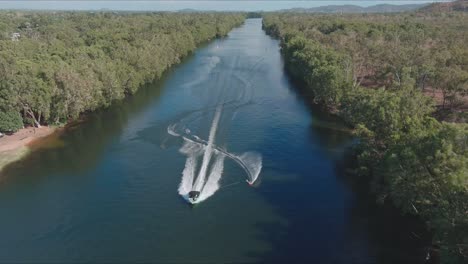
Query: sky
[(173, 5)]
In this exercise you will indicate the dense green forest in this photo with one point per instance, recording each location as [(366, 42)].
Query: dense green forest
[(55, 66), (395, 78)]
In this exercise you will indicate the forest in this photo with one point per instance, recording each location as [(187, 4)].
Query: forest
[(401, 80), (55, 66)]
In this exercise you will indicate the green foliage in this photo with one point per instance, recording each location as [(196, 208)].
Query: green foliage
[(67, 63), (390, 115), (319, 65), (10, 121), (427, 174), (389, 51), (417, 162)]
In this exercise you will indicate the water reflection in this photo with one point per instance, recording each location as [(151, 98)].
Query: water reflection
[(80, 145), (109, 194)]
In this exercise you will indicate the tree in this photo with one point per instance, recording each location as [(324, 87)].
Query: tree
[(412, 160), (67, 63), (10, 121)]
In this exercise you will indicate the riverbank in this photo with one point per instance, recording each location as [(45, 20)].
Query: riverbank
[(142, 62), (138, 53), (411, 160), (16, 146), (121, 159)]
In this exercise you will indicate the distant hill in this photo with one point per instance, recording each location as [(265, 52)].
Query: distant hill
[(460, 5), (188, 10), (382, 8)]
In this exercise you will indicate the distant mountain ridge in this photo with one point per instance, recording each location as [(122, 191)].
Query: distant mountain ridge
[(459, 5), (381, 8)]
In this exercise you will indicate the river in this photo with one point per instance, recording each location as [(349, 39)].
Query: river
[(106, 190)]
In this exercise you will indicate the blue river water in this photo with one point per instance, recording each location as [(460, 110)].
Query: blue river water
[(106, 189)]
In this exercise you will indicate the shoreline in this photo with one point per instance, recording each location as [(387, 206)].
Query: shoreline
[(16, 146)]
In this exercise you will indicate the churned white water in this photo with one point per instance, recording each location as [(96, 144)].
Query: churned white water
[(232, 89)]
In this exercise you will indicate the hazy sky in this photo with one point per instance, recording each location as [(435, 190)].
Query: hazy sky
[(154, 5)]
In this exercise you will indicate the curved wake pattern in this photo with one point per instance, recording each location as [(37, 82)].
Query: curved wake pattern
[(251, 162), (205, 160), (206, 182), (210, 184)]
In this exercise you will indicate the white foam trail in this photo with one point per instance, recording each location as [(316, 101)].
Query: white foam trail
[(171, 130), (204, 178), (195, 147), (212, 184), (188, 174), (199, 182), (252, 163), (193, 150)]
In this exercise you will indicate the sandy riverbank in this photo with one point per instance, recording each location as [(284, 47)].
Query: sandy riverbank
[(16, 146)]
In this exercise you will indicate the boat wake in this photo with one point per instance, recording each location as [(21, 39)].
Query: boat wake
[(230, 88), (197, 187)]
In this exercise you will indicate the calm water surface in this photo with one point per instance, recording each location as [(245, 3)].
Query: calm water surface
[(106, 189)]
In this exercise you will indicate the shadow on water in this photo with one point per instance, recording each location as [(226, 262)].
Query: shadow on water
[(329, 217), (372, 233), (81, 144), (396, 238), (376, 234)]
